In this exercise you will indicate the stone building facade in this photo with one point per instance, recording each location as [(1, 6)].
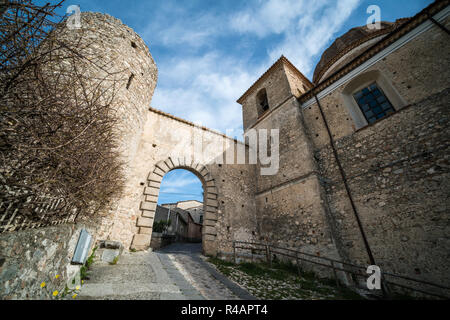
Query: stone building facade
[(338, 165), (345, 189)]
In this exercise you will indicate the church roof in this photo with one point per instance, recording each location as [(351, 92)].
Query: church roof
[(350, 40), (402, 27), (282, 60)]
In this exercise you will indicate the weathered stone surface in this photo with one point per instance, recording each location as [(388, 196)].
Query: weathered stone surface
[(163, 166), (210, 230), (33, 256), (151, 198), (210, 223), (154, 177), (144, 230), (209, 238), (210, 215), (148, 206), (109, 255), (212, 203), (148, 213), (210, 183), (144, 222), (175, 162), (151, 191), (141, 241), (109, 244), (169, 163), (158, 171)]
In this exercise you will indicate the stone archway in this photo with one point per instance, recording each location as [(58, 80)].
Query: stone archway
[(142, 239)]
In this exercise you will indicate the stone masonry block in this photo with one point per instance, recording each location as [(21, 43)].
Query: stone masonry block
[(212, 203), (148, 214), (144, 230), (169, 163), (194, 165), (151, 198), (210, 223), (175, 162), (204, 171), (200, 169), (209, 237), (154, 184), (211, 209), (148, 206), (154, 177), (163, 166), (207, 177), (212, 196), (144, 222), (209, 245), (211, 189), (210, 230), (211, 215), (159, 171), (151, 191), (141, 241)]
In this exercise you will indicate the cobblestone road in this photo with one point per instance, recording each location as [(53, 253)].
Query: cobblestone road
[(179, 271)]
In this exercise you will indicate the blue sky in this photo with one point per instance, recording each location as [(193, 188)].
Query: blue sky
[(178, 185), (209, 52)]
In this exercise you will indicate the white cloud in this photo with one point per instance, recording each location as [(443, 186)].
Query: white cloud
[(204, 90), (312, 32), (273, 16), (202, 78), (179, 24), (180, 182), (306, 27)]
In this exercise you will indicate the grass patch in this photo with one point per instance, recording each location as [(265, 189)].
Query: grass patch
[(282, 280), (264, 270), (225, 267), (115, 260), (89, 261)]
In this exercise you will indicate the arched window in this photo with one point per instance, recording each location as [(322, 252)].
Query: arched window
[(262, 102), (370, 97)]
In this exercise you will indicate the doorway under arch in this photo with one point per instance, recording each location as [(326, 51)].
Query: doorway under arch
[(141, 240)]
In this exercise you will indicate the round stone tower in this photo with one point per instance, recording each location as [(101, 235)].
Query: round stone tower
[(120, 50), (121, 60)]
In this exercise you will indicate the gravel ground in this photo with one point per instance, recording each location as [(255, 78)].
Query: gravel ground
[(281, 284)]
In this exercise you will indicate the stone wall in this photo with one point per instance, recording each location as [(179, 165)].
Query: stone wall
[(290, 204), (277, 87), (33, 256), (398, 172), (160, 240), (397, 169)]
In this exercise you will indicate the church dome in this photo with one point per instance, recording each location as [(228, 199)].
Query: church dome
[(350, 42)]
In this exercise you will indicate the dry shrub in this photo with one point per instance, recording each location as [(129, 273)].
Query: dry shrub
[(57, 137)]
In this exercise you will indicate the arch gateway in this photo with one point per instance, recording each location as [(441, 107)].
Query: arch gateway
[(151, 192), (169, 143)]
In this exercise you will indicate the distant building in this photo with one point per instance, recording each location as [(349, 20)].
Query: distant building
[(186, 219)]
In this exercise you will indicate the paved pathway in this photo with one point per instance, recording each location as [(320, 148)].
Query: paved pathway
[(179, 272)]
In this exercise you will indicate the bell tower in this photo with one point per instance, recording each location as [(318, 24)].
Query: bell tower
[(278, 84)]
